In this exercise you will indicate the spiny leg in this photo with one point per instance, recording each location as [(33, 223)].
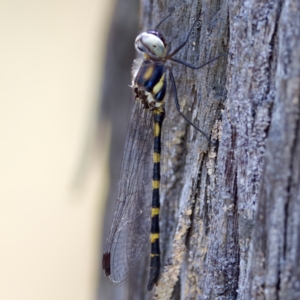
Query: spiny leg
[(171, 10), (184, 43), (198, 67), (178, 106), (159, 115)]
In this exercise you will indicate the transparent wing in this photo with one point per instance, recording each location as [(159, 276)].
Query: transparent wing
[(130, 231)]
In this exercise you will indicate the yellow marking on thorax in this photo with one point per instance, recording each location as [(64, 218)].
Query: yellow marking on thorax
[(159, 85), (154, 212), (148, 73), (154, 237), (155, 184), (156, 157)]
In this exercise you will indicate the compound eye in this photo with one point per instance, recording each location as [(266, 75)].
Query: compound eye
[(150, 44)]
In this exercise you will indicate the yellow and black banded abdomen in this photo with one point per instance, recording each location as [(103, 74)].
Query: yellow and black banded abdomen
[(152, 78), (159, 116)]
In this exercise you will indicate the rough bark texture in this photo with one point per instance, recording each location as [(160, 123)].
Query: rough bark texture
[(230, 219)]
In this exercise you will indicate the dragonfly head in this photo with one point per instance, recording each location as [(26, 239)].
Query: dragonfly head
[(151, 43)]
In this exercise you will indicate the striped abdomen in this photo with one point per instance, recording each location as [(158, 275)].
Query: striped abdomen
[(151, 78), (159, 115)]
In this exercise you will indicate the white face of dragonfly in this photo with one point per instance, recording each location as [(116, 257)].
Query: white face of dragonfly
[(150, 44)]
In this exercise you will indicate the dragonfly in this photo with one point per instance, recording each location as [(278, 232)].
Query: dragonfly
[(136, 217)]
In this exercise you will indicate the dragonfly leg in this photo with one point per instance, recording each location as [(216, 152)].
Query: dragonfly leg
[(184, 43), (197, 67), (165, 18), (178, 106)]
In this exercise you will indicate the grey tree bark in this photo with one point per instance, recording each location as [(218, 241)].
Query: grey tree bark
[(230, 212), (230, 217)]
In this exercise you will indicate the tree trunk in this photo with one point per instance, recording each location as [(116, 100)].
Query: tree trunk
[(230, 211)]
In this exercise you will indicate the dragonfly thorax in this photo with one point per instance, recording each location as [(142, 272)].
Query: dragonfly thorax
[(149, 83), (151, 43)]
